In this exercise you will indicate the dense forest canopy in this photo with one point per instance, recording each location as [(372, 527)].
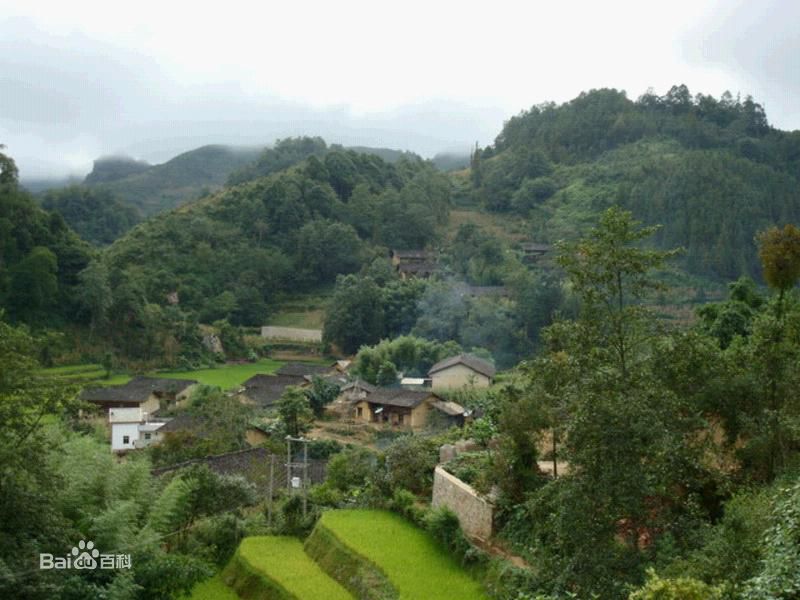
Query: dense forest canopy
[(94, 213), (711, 171), (40, 257)]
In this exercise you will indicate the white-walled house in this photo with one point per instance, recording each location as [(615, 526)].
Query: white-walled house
[(131, 429)]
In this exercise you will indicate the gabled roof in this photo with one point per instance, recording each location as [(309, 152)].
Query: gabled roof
[(137, 389), (266, 390), (299, 369), (360, 384), (399, 397), (484, 367)]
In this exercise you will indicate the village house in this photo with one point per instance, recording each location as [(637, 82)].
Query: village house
[(349, 395), (149, 394), (132, 429), (460, 371), (414, 263), (406, 408)]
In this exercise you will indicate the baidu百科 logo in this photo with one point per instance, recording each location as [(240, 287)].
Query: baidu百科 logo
[(85, 556)]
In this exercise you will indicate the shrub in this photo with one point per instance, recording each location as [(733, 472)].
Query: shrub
[(410, 462), (351, 468), (683, 588)]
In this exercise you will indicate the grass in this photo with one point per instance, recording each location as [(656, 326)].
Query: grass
[(412, 560), (224, 376), (213, 589), (227, 376), (310, 319), (509, 228), (281, 561)]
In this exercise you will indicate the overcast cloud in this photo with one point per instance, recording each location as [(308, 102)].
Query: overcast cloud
[(152, 79)]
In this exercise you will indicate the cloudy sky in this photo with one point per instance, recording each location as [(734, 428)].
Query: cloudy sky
[(151, 79)]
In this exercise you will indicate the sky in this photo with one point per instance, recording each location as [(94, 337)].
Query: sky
[(79, 80)]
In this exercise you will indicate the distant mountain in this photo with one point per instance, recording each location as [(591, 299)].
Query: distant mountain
[(292, 151), (114, 168), (387, 154), (37, 186), (451, 161), (152, 189)]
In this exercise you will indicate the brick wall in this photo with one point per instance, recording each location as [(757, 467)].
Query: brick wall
[(474, 512)]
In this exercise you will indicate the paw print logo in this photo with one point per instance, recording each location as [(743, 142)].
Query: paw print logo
[(85, 555)]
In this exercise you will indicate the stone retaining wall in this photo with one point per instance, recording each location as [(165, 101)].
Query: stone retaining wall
[(291, 333), (475, 513)]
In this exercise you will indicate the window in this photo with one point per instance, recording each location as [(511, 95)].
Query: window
[(126, 439), (147, 436), (360, 411)]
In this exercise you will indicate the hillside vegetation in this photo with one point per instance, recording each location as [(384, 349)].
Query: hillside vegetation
[(152, 189), (711, 171)]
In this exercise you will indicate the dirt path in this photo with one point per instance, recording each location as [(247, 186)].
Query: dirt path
[(495, 548)]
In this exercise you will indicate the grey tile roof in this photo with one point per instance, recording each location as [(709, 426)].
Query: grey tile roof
[(137, 389), (299, 369), (484, 367), (360, 384), (398, 397), (266, 390)]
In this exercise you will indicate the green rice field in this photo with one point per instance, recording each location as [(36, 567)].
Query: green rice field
[(224, 376), (213, 589), (417, 567), (282, 561)]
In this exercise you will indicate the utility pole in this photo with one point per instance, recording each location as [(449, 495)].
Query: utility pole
[(290, 481)]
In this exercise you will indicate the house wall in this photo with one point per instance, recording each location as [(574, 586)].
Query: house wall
[(419, 415), (475, 513), (182, 398), (293, 334), (143, 442), (150, 405), (458, 376), (119, 430), (125, 415), (366, 413)]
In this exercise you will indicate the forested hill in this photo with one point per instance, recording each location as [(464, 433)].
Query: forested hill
[(152, 189), (712, 171), (232, 255)]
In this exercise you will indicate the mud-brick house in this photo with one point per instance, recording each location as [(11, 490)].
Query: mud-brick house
[(459, 371), (350, 394), (149, 394), (406, 408)]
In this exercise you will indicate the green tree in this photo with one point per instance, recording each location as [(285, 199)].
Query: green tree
[(95, 294), (355, 314), (321, 393), (295, 411)]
